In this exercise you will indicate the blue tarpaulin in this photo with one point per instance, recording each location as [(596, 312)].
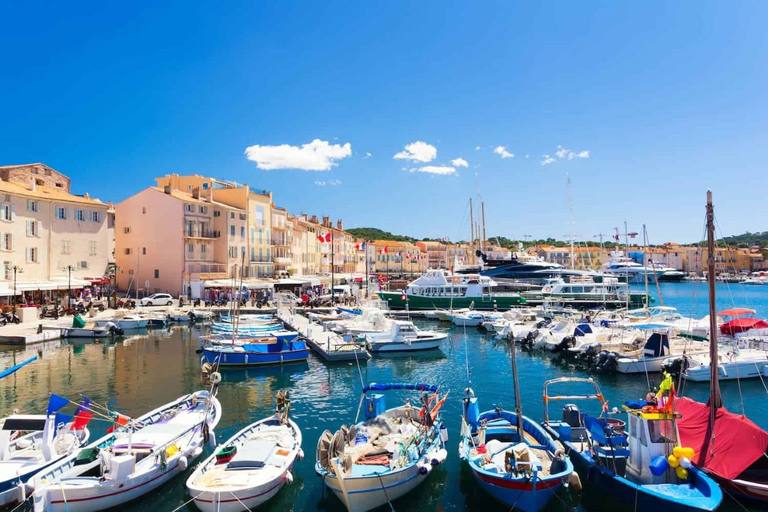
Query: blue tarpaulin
[(398, 385)]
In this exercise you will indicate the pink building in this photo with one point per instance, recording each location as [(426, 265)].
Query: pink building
[(171, 241)]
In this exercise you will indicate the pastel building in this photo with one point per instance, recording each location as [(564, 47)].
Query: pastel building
[(50, 239)]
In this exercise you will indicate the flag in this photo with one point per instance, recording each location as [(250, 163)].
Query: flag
[(385, 250), (81, 420), (62, 419), (119, 422), (56, 402), (328, 237), (84, 405), (320, 238)]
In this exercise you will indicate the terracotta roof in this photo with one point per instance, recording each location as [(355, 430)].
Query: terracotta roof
[(183, 196), (46, 193)]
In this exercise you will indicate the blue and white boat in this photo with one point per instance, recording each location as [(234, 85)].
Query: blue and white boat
[(388, 454), (247, 319), (241, 339), (256, 353), (628, 465), (511, 456), (223, 327)]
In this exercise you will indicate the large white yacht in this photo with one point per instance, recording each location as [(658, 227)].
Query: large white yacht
[(623, 267)]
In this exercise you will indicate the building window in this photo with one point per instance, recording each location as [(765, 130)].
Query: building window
[(8, 212), (79, 215), (65, 247), (242, 216), (260, 233), (188, 208), (217, 213), (242, 231), (92, 248), (33, 228), (82, 264), (8, 242), (143, 250), (202, 250), (205, 186), (127, 251), (33, 206), (232, 230), (32, 255), (61, 213), (204, 210), (157, 273), (95, 217), (127, 230), (191, 248)]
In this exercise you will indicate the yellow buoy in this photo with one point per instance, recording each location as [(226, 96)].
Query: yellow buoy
[(673, 461), (678, 452), (687, 452), (171, 450), (681, 473)]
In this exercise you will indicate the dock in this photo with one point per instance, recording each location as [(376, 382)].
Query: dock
[(327, 344)]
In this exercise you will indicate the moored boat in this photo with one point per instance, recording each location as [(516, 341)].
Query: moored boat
[(256, 353), (403, 336)]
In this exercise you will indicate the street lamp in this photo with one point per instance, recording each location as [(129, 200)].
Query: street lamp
[(16, 269), (69, 269), (113, 292)]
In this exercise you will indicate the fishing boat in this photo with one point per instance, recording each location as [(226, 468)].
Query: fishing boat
[(440, 289), (586, 293), (137, 457), (388, 454), (510, 455), (29, 443), (256, 353), (403, 336), (126, 322), (731, 448), (251, 467), (241, 339), (630, 466)]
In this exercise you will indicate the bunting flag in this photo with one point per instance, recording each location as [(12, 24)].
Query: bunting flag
[(81, 420), (385, 250), (84, 405), (328, 237), (62, 419), (119, 422), (56, 402), (321, 238)]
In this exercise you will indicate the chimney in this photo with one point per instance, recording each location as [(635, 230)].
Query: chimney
[(326, 221), (339, 225), (32, 185), (313, 219), (304, 217), (196, 192), (87, 195), (167, 189)]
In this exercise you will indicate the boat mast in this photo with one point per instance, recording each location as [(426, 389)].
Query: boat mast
[(472, 229), (645, 265), (570, 217), (482, 210), (715, 399), (518, 403)]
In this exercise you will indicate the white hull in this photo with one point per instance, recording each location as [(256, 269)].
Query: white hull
[(75, 332), (404, 346), (748, 369), (636, 365), (125, 323), (467, 322)]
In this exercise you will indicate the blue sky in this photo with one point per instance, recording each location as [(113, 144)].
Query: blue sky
[(667, 98)]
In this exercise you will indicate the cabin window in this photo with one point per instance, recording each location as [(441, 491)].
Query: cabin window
[(661, 431)]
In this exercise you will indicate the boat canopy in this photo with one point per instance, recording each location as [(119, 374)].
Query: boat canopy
[(736, 312), (738, 325), (738, 441), (398, 385)]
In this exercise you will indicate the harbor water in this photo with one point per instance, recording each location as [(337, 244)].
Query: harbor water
[(141, 372)]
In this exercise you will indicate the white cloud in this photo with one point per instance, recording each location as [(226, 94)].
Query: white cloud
[(570, 155), (367, 155), (318, 155), (477, 148), (435, 169), (459, 162), (527, 156), (418, 152), (330, 183), (546, 160), (502, 150)]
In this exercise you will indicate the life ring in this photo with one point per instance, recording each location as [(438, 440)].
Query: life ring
[(547, 289)]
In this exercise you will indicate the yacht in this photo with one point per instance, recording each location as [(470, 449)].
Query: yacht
[(621, 266), (527, 268)]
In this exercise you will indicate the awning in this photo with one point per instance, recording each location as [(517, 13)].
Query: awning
[(291, 282), (736, 312), (738, 325), (8, 292), (254, 284), (53, 284), (737, 444)]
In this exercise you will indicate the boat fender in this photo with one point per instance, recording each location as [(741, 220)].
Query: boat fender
[(300, 454), (658, 465), (197, 452), (424, 469), (547, 289), (21, 493), (685, 462), (212, 440), (444, 433), (288, 477), (215, 378), (439, 457), (183, 463), (575, 481)]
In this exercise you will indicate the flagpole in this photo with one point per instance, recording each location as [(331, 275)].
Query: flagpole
[(367, 281)]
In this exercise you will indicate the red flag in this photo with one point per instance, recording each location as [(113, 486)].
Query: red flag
[(407, 256), (81, 420), (385, 250), (320, 237), (328, 237)]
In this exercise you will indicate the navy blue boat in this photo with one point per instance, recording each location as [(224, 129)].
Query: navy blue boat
[(256, 354)]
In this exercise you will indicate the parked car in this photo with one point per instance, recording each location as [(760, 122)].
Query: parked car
[(158, 299)]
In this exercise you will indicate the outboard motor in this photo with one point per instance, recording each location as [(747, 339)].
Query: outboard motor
[(571, 415), (676, 366), (530, 338), (565, 344), (607, 362), (113, 329), (192, 316), (591, 354), (542, 323)]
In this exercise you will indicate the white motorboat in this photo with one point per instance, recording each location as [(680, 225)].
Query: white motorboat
[(251, 467), (655, 352), (29, 444), (403, 336), (107, 331), (376, 461), (621, 266), (369, 321), (138, 457), (126, 322), (733, 363)]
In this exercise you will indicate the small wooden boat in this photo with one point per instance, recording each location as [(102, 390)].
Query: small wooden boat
[(136, 458), (251, 467), (256, 353), (629, 466), (126, 322), (107, 331), (388, 454), (29, 444)]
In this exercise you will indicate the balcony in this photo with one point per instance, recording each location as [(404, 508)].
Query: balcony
[(283, 260), (205, 271), (206, 234)]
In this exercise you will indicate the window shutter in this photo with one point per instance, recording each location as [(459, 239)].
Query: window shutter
[(37, 206), (29, 227), (10, 241), (29, 253), (13, 212), (39, 226)]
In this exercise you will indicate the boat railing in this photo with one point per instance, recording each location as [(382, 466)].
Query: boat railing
[(598, 395)]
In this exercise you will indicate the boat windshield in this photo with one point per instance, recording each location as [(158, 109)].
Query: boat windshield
[(662, 431)]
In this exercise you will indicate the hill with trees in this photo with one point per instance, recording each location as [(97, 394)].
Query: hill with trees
[(378, 234), (748, 239)]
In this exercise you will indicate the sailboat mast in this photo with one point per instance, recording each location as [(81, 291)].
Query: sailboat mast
[(645, 269), (715, 400), (570, 217), (518, 402), (482, 210), (471, 228)]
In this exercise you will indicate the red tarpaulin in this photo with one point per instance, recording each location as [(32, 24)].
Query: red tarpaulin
[(738, 325), (736, 312), (737, 443)]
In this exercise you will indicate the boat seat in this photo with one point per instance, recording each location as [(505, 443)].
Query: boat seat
[(599, 434), (368, 470), (253, 454)]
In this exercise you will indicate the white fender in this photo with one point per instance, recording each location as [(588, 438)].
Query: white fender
[(300, 454), (439, 456), (212, 439), (183, 463), (288, 477), (424, 468)]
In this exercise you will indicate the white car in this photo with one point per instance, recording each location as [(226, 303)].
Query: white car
[(158, 299)]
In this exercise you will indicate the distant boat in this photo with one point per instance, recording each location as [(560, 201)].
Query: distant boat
[(403, 336)]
